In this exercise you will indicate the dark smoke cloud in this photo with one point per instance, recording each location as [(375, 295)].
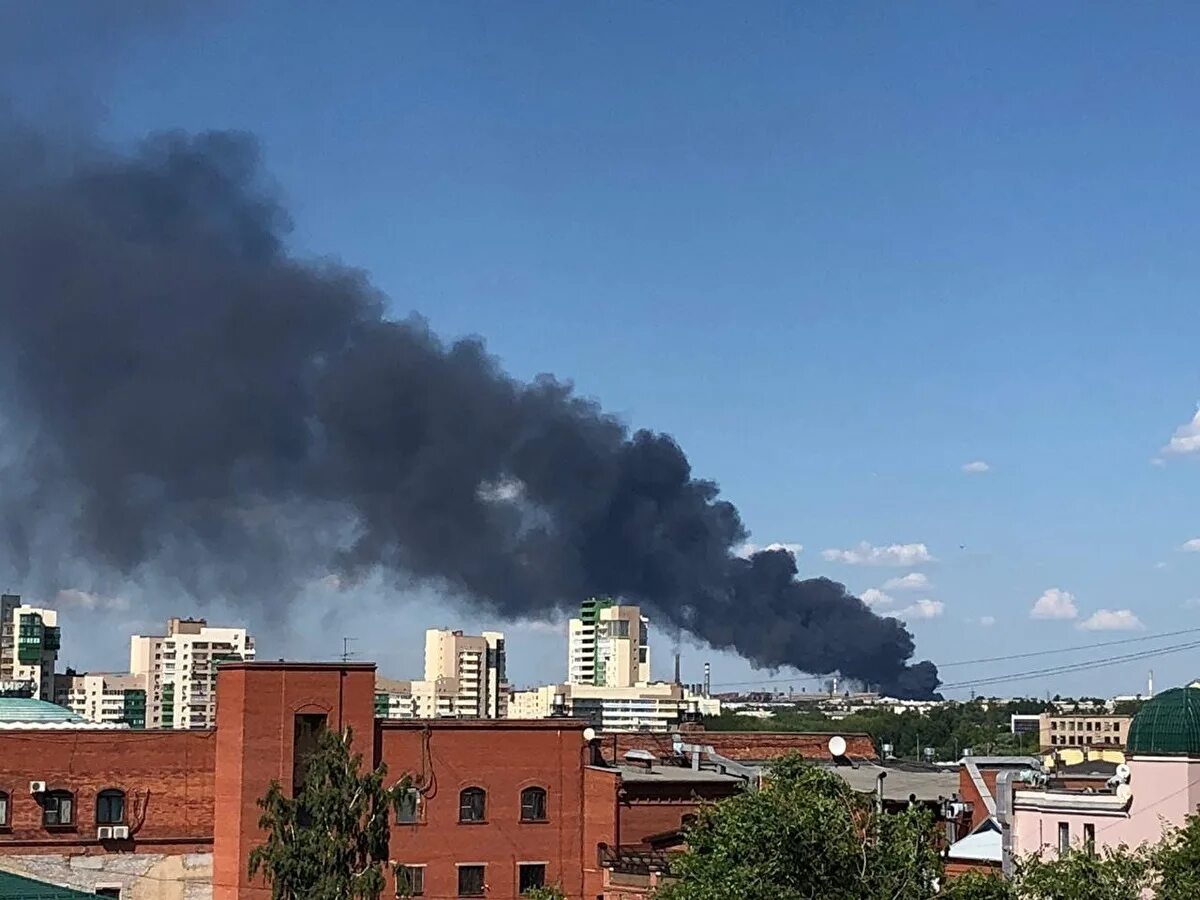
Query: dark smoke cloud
[(180, 394)]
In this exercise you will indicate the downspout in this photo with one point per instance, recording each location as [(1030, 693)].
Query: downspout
[(1004, 815)]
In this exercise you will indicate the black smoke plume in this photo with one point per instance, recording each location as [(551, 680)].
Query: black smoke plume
[(183, 393)]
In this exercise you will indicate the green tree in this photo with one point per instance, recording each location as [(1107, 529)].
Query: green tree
[(330, 842), (805, 834), (978, 886), (1177, 862), (1116, 873), (544, 893)]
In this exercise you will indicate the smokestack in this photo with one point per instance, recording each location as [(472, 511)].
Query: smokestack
[(677, 681), (707, 680), (1150, 686), (207, 409)]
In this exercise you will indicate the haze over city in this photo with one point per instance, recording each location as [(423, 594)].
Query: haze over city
[(920, 309)]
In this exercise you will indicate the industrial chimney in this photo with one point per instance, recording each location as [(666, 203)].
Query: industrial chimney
[(707, 679)]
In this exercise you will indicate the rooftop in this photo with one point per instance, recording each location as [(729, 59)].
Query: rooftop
[(25, 713), (1168, 725), (668, 774)]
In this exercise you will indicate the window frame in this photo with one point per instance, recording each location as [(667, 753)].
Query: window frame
[(57, 797), (108, 795), (1064, 837), (460, 868), (539, 791), (5, 809), (474, 791), (406, 868), (521, 867)]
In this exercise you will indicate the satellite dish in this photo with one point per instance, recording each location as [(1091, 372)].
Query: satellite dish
[(837, 745), (589, 734), (1123, 772), (1124, 793)]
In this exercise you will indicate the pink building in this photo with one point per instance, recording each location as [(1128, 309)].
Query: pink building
[(1158, 788)]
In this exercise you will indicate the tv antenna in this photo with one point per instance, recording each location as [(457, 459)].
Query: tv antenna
[(347, 653)]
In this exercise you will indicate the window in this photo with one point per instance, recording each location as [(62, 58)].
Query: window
[(1064, 837), (470, 881), (109, 892), (1089, 837), (58, 808), (408, 807), (3, 809), (110, 807), (472, 805), (533, 805), (410, 881), (306, 732), (530, 875)]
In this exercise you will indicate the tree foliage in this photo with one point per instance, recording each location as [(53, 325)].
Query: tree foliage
[(544, 893), (1114, 873), (330, 842)]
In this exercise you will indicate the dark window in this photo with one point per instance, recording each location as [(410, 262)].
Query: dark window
[(533, 805), (470, 881), (3, 809), (1089, 837), (110, 808), (306, 733), (472, 805), (58, 808), (410, 881), (408, 807), (1064, 837), (530, 875), (109, 892)]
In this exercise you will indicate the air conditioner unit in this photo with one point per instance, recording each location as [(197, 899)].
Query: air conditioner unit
[(104, 833), (37, 787), (120, 832)]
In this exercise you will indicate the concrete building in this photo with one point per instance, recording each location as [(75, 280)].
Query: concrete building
[(29, 643), (1066, 729), (416, 699), (474, 665), (658, 707), (608, 645), (103, 697), (180, 670)]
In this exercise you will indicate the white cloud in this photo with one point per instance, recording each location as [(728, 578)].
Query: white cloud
[(748, 549), (73, 597), (1054, 604), (987, 621), (913, 581), (506, 490), (1112, 620), (1192, 546), (977, 467), (1186, 438), (1160, 565), (874, 597), (922, 609), (892, 555)]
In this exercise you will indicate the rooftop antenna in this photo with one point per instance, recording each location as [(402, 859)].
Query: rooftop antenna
[(346, 651)]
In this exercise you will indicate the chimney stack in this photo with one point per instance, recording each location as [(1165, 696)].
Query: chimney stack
[(707, 680), (677, 667)]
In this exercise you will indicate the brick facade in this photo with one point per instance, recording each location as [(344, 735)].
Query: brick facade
[(741, 746)]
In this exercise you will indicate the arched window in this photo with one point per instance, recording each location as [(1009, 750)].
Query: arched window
[(533, 804), (472, 805), (3, 810), (58, 808), (110, 807)]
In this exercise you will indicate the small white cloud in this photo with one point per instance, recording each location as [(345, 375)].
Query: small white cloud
[(73, 597), (1186, 438), (977, 467), (1054, 604), (1160, 565), (1192, 546), (922, 609), (891, 555), (506, 490), (987, 621), (1112, 620), (747, 550), (874, 597), (913, 581)]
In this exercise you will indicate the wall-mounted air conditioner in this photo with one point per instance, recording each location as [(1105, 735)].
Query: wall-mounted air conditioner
[(104, 833), (120, 832), (37, 787)]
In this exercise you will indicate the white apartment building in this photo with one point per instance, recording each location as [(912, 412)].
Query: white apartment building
[(106, 698), (416, 699), (29, 643), (608, 645), (180, 668), (474, 666), (656, 707)]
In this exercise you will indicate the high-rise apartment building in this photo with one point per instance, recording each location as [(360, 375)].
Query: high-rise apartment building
[(106, 698), (180, 669), (476, 664), (608, 645), (659, 707), (29, 643)]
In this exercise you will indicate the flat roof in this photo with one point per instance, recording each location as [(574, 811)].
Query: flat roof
[(484, 724), (298, 666), (900, 783), (661, 774)]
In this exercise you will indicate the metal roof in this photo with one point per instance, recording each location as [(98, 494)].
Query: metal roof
[(666, 774), (900, 783), (1168, 725), (17, 887), (22, 712)]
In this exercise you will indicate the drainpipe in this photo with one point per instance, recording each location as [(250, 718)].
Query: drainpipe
[(1004, 805)]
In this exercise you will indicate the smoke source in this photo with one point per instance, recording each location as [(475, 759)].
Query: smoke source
[(179, 393)]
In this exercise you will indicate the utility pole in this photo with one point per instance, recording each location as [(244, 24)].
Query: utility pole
[(346, 651)]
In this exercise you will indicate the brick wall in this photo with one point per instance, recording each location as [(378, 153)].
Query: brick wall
[(743, 746), (167, 777), (600, 824)]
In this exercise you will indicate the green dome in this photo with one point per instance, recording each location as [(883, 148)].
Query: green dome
[(1168, 725), (22, 711)]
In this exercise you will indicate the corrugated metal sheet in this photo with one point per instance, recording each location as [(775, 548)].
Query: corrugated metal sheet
[(17, 887)]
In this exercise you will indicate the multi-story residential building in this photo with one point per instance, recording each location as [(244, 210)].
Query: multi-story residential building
[(105, 698), (660, 706), (1063, 729), (474, 665), (416, 699), (180, 669), (29, 644), (608, 645)]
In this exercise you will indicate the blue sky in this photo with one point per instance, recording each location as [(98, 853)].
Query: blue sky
[(839, 251)]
